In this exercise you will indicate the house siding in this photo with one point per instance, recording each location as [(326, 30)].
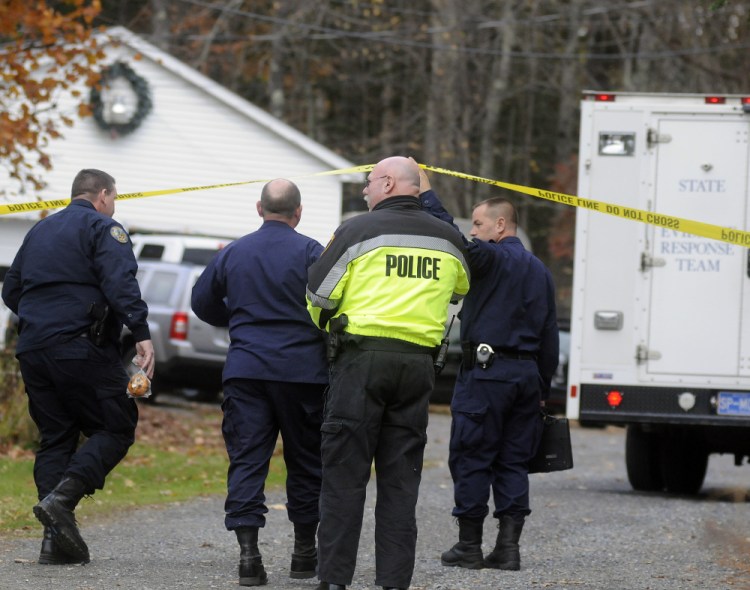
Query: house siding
[(196, 134)]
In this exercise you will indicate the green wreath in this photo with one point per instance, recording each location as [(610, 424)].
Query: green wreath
[(141, 89)]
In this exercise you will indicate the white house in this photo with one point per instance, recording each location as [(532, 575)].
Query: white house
[(196, 134)]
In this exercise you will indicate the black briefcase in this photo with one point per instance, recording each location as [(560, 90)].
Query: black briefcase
[(555, 452)]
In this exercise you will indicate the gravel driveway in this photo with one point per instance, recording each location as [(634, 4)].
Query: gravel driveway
[(588, 531)]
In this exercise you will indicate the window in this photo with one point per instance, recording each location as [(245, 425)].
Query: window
[(151, 252), (160, 287), (200, 256)]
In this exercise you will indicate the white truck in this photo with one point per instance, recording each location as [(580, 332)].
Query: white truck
[(660, 337)]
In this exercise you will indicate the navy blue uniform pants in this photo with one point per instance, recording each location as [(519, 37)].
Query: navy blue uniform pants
[(494, 433), (377, 408), (78, 388), (255, 412)]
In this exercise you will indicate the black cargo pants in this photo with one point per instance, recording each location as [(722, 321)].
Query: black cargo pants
[(73, 388), (377, 408)]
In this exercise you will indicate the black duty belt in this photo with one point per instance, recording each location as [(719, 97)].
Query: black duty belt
[(385, 344), (484, 354)]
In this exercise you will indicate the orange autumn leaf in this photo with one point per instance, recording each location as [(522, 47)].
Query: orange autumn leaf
[(46, 47)]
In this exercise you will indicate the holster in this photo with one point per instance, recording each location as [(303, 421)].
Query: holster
[(335, 330), (98, 332)]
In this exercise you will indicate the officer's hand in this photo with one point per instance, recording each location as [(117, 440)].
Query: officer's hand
[(145, 350), (424, 182)]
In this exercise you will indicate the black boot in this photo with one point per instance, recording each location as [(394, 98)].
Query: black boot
[(305, 554), (252, 572), (327, 586), (506, 554), (468, 551), (51, 554), (56, 512)]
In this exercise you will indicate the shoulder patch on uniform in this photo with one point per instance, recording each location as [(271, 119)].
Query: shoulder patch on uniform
[(118, 234), (328, 245)]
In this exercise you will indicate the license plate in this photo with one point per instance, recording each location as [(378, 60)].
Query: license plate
[(732, 403)]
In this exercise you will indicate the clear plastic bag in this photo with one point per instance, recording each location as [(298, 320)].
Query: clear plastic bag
[(139, 385)]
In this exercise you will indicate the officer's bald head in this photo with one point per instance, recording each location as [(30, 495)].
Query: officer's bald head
[(280, 200), (280, 197), (392, 177)]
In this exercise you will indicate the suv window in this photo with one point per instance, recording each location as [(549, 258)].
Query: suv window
[(200, 256), (151, 252), (160, 287)]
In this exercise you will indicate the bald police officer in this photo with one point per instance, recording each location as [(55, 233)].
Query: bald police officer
[(384, 284), (274, 378)]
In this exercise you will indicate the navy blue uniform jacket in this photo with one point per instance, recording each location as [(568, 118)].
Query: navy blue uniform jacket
[(511, 302), (256, 286), (67, 261)]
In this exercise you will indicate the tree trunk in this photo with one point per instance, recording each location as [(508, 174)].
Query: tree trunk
[(160, 25), (443, 112), (498, 85)]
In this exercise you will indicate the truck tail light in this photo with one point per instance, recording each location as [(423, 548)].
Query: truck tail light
[(716, 100), (178, 330), (573, 391), (614, 398), (604, 97)]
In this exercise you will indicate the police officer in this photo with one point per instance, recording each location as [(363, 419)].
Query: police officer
[(510, 351), (274, 377), (384, 284), (73, 286)]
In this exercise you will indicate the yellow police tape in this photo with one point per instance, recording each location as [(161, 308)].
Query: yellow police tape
[(698, 228), (57, 203)]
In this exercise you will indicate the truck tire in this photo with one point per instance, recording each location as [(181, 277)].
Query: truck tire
[(684, 460), (643, 459)]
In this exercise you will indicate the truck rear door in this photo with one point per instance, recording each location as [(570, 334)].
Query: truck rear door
[(697, 303)]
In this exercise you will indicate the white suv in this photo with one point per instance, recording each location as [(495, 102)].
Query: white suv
[(177, 247)]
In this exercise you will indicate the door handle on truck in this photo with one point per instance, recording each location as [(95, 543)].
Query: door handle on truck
[(648, 261)]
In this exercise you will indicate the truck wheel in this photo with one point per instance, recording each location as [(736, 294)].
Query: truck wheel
[(642, 459), (684, 460)]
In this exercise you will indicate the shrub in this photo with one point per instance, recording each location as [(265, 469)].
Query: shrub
[(16, 426)]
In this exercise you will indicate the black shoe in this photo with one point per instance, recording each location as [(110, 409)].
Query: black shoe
[(327, 586), (55, 511), (305, 554), (467, 553), (51, 554), (506, 555), (252, 572), (303, 567)]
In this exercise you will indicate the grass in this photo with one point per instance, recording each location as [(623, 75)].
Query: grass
[(179, 454)]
